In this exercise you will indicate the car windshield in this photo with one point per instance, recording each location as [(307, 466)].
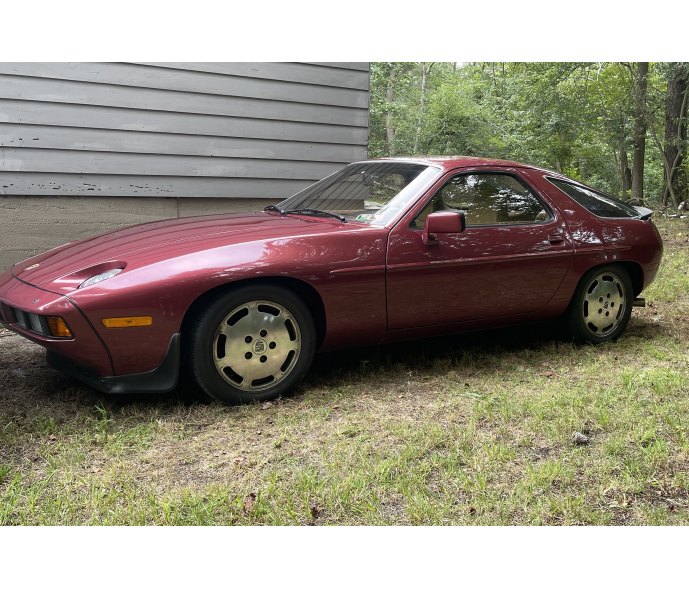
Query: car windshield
[(371, 192)]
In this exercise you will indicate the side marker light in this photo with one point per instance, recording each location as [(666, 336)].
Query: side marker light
[(127, 321)]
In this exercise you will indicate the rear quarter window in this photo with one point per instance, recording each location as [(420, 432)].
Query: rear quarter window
[(597, 203)]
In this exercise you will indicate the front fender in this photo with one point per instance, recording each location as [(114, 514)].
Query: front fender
[(347, 271)]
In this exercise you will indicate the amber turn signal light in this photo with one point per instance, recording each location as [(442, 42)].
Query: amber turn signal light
[(127, 321), (58, 327)]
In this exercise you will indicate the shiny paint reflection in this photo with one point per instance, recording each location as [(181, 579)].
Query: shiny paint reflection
[(354, 304), (480, 273)]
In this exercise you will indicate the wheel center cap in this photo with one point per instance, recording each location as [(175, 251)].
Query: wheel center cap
[(259, 346), (605, 306)]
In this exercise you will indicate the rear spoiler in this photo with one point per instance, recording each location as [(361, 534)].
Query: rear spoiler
[(644, 213)]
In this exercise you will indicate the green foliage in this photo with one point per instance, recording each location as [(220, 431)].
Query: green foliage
[(571, 117)]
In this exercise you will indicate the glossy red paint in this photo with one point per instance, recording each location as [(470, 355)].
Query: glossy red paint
[(375, 283), (596, 240), (85, 348), (482, 272)]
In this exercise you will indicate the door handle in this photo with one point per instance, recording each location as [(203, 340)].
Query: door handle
[(555, 239)]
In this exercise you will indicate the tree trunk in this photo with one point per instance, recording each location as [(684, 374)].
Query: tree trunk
[(640, 131), (389, 129), (625, 173), (424, 74), (559, 164), (676, 133)]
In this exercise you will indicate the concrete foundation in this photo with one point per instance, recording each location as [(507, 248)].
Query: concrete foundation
[(31, 225)]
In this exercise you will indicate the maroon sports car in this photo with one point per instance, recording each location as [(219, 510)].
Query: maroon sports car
[(381, 251)]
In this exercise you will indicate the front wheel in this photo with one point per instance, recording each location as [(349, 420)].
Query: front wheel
[(602, 305), (254, 343)]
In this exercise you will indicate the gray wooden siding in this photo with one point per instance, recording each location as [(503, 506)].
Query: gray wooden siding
[(236, 130)]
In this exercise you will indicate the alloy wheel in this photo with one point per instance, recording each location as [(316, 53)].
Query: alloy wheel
[(257, 345), (604, 303)]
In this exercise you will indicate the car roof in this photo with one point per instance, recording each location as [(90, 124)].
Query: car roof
[(449, 162)]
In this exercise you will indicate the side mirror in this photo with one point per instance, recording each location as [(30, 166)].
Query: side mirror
[(442, 222)]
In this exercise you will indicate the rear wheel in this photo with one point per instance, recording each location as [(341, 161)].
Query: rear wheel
[(252, 343), (602, 305)]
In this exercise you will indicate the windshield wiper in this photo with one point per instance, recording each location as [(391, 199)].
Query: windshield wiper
[(275, 208), (317, 212)]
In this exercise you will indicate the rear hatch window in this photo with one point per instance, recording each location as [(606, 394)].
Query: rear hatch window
[(601, 205)]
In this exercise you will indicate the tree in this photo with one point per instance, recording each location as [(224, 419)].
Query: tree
[(426, 70), (587, 120), (393, 114), (625, 173), (676, 133), (640, 118), (389, 129)]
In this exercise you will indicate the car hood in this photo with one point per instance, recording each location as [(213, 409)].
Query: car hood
[(149, 243)]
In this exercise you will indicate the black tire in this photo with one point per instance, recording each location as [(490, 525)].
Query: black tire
[(204, 345), (583, 312)]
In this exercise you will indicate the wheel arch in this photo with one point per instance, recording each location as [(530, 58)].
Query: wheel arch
[(633, 269), (636, 275), (304, 290)]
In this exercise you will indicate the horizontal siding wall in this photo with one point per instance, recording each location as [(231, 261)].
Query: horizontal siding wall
[(89, 147), (229, 130), (29, 226)]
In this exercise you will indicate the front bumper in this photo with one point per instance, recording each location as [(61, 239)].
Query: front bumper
[(85, 348)]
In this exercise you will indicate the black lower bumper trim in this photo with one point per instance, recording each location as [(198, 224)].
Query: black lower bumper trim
[(161, 379)]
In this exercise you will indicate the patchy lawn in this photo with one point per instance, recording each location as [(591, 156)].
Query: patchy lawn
[(473, 429)]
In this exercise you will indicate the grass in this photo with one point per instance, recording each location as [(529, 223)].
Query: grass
[(471, 429)]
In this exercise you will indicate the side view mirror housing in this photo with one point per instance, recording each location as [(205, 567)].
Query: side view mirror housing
[(442, 222)]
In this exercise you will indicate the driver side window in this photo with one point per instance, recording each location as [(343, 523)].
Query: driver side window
[(486, 199)]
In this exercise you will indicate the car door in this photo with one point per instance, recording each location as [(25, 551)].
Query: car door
[(510, 259)]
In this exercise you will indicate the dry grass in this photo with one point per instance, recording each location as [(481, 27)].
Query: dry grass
[(474, 429)]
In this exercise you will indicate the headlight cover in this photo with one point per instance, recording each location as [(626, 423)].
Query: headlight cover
[(100, 277)]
